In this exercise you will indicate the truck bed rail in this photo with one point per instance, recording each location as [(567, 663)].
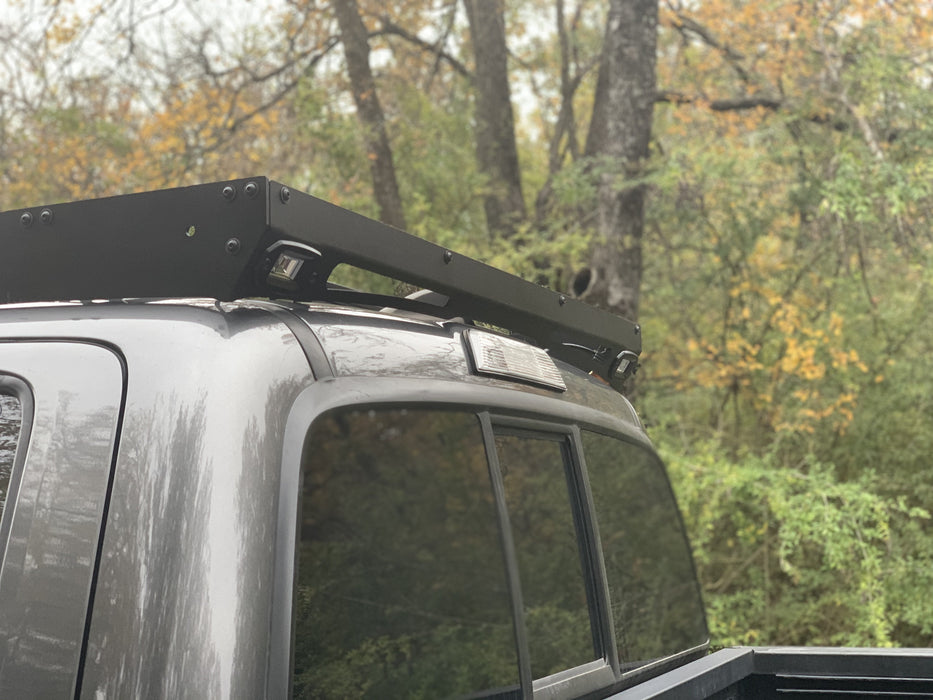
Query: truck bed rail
[(798, 672)]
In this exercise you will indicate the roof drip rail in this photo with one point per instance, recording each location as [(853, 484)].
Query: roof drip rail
[(259, 238)]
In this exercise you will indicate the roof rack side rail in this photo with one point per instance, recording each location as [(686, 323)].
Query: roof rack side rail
[(256, 237)]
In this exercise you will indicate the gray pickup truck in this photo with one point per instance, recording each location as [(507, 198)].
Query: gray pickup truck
[(222, 474)]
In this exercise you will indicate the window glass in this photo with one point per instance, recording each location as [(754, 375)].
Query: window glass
[(557, 619), (656, 605), (11, 419), (401, 588)]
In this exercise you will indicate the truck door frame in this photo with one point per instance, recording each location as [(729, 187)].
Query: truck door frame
[(72, 394)]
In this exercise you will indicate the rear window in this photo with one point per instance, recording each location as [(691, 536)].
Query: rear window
[(11, 422), (445, 554), (401, 588)]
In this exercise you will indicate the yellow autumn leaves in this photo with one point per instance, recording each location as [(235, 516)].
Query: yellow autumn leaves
[(783, 352)]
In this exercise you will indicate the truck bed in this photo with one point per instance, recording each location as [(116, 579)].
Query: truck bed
[(797, 672)]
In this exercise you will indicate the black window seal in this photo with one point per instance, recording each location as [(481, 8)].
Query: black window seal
[(510, 560), (601, 672), (598, 577), (17, 387)]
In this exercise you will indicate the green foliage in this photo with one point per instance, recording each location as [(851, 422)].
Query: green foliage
[(799, 556), (433, 145), (336, 165), (787, 376)]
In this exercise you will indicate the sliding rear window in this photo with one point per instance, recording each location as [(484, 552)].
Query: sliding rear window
[(545, 528)]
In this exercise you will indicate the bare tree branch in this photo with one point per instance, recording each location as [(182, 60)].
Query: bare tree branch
[(721, 105), (685, 24), (833, 68), (388, 27)]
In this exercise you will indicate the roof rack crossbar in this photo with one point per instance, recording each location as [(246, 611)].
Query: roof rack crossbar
[(259, 238)]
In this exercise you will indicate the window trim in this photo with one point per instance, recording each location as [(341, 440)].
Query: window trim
[(601, 672), (17, 387)]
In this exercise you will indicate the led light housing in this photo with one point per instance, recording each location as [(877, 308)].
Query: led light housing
[(288, 257), (498, 356), (285, 268), (624, 366)]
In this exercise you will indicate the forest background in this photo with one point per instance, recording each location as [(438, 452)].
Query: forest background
[(751, 180)]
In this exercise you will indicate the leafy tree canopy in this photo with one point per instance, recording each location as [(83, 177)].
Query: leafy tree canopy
[(784, 261)]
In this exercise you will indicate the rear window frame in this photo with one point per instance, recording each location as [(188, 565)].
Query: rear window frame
[(644, 670), (603, 671), (497, 407), (17, 387)]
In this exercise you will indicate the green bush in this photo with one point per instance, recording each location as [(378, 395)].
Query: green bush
[(798, 556)]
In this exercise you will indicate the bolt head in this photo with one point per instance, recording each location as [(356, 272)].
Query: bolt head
[(285, 194), (26, 218), (46, 216), (229, 193), (232, 246), (251, 189)]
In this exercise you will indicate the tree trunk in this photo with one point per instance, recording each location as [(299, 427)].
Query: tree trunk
[(596, 135), (496, 151), (614, 278), (356, 49)]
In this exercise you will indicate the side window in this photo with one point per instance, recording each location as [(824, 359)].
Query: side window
[(11, 421), (541, 514), (401, 589), (656, 605)]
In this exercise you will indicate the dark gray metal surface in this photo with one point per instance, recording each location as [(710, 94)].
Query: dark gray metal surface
[(131, 246), (59, 494), (361, 344), (213, 241), (845, 661), (703, 678), (826, 672)]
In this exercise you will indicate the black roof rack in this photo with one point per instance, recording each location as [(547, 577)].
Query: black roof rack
[(258, 238)]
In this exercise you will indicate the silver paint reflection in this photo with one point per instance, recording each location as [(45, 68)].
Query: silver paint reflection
[(55, 512), (408, 349), (184, 593)]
